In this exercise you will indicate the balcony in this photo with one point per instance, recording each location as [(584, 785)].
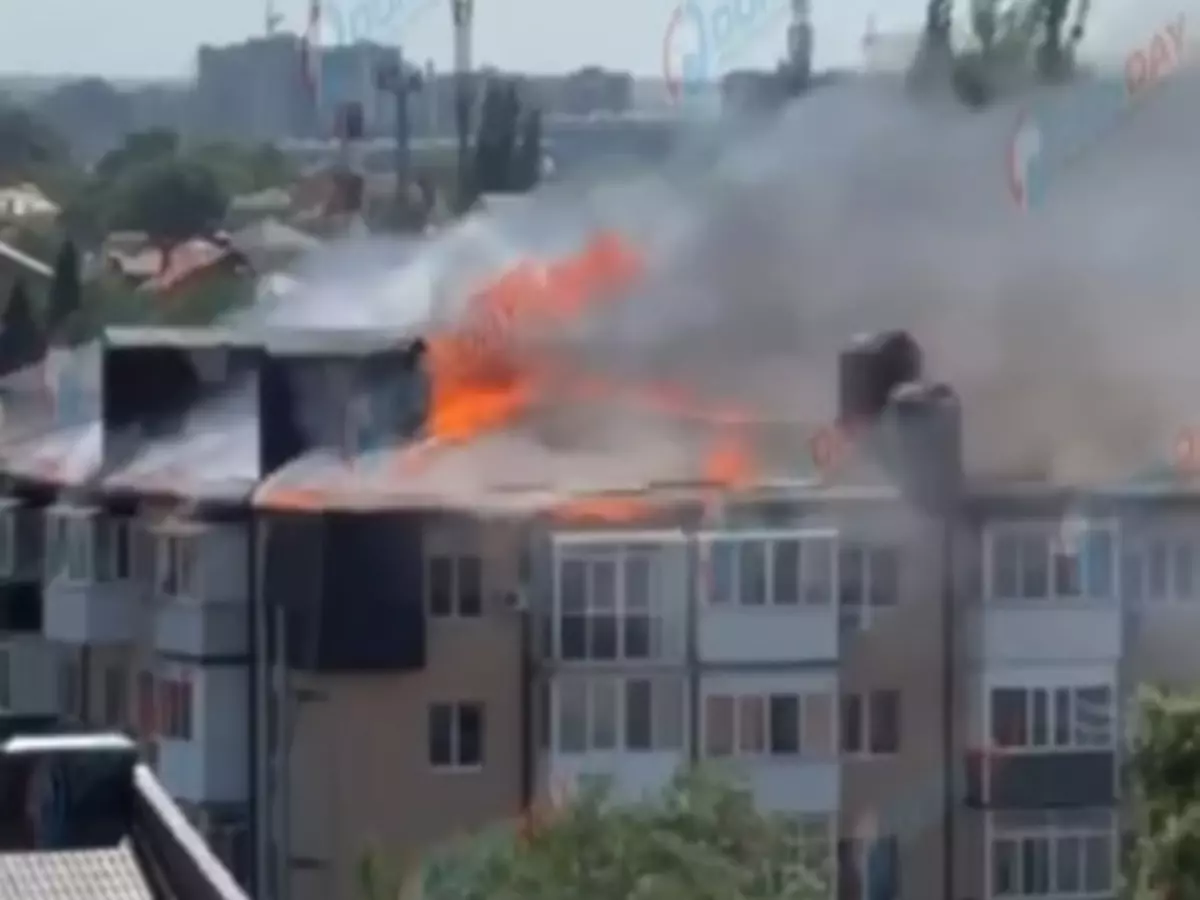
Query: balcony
[(768, 597), (89, 596), (1078, 779), (631, 776), (790, 785), (1050, 593)]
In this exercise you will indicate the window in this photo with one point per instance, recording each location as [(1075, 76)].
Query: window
[(177, 574), (1053, 854), (783, 724), (147, 705), (871, 723), (70, 689), (175, 709), (69, 534), (1043, 562), (6, 698), (607, 603), (116, 697), (456, 735), (1161, 569), (115, 550), (787, 569), (1048, 718), (8, 538), (869, 869), (455, 587), (868, 581), (611, 713)]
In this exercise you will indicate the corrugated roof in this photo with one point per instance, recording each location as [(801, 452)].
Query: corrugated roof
[(108, 874)]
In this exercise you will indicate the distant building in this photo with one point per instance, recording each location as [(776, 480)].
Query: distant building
[(252, 91), (24, 202)]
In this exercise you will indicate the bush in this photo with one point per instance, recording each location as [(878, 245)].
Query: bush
[(701, 839)]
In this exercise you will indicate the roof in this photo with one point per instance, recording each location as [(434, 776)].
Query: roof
[(185, 261), (272, 236), (196, 338), (104, 874), (25, 261)]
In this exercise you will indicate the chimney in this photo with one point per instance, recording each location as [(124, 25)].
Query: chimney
[(872, 367), (923, 434)]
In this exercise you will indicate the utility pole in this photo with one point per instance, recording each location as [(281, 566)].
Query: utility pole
[(397, 79), (463, 12)]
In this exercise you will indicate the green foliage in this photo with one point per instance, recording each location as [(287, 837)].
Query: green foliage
[(21, 339), (702, 839), (66, 293), (27, 145), (170, 199), (508, 147), (1166, 773)]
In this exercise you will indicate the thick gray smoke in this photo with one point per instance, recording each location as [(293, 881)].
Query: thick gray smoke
[(1067, 328)]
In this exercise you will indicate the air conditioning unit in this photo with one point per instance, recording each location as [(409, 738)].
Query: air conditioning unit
[(516, 600)]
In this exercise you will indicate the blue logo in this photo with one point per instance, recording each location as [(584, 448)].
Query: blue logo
[(719, 33), (376, 21)]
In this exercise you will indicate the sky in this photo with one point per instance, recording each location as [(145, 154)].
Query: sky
[(158, 38)]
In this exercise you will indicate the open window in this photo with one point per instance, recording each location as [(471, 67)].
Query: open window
[(177, 570)]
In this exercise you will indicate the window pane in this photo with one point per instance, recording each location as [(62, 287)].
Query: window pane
[(1039, 732), (850, 573), (752, 580), (1067, 580), (817, 735), (723, 572), (1005, 868), (603, 593), (470, 734), (441, 725), (852, 738), (1006, 567), (785, 574), (817, 571), (1062, 717), (1035, 866), (884, 576), (639, 715), (1009, 725), (1035, 572), (883, 869), (1099, 551), (885, 722), (573, 585), (602, 637), (1093, 717), (441, 586), (718, 726), (1157, 564), (574, 636), (785, 724), (572, 716), (470, 586), (752, 725), (637, 583), (668, 713), (604, 715), (1098, 864), (1132, 576), (1068, 875), (637, 636), (1185, 569)]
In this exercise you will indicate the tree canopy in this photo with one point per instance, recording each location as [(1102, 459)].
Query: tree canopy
[(508, 146)]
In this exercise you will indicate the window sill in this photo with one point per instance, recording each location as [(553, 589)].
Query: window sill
[(457, 770), (770, 607), (455, 617)]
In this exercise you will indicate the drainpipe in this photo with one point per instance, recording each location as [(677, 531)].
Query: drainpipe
[(691, 613), (262, 739), (256, 661), (948, 706)]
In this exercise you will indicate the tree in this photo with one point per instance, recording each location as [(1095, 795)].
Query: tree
[(27, 144), (529, 155), (65, 289), (138, 149), (1166, 772), (170, 199), (496, 142), (92, 114), (21, 340), (702, 839)]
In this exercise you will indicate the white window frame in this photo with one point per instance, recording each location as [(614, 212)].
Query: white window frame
[(770, 540), (1056, 827), (172, 543), (1135, 566), (456, 561), (456, 707), (1050, 693), (861, 616), (70, 530), (1056, 538), (10, 511), (744, 751), (662, 687), (603, 548), (866, 726)]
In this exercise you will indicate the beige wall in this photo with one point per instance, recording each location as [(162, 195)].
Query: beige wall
[(360, 774)]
